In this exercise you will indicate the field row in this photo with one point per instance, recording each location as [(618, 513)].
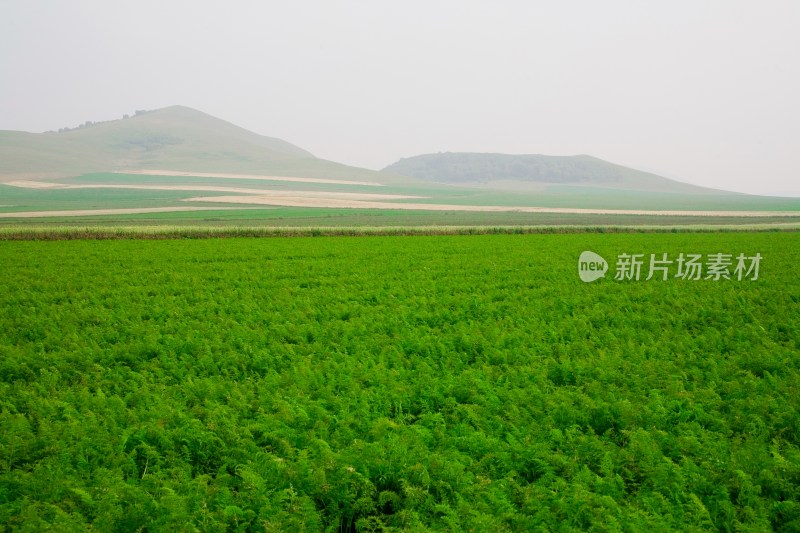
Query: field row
[(446, 383)]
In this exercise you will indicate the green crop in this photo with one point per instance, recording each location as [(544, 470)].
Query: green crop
[(444, 383)]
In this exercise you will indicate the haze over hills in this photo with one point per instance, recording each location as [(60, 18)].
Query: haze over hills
[(173, 138), (178, 159), (179, 138), (534, 171)]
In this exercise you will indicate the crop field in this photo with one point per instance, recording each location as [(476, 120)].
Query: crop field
[(243, 199), (394, 383)]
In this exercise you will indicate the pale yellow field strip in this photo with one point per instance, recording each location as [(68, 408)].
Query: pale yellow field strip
[(4, 178), (28, 184), (345, 200), (245, 177), (121, 211), (306, 201), (259, 192), (214, 188)]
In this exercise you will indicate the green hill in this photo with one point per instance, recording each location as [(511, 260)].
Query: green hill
[(177, 158), (173, 138), (534, 171)]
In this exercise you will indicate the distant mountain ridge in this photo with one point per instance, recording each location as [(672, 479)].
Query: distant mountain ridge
[(179, 138), (491, 169), (172, 138)]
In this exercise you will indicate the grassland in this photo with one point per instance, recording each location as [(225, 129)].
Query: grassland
[(22, 200), (105, 166), (407, 383), (176, 138)]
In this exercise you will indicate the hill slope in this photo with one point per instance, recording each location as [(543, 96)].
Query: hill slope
[(173, 138), (175, 159), (527, 171)]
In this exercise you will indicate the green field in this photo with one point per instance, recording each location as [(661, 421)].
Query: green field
[(443, 383), (19, 200), (109, 166)]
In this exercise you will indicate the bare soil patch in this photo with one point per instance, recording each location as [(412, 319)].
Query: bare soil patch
[(29, 184), (307, 201), (214, 188), (121, 211), (245, 177)]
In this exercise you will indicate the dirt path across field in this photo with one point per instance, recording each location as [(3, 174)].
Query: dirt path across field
[(214, 188), (305, 201), (30, 184), (342, 200), (245, 177), (121, 211)]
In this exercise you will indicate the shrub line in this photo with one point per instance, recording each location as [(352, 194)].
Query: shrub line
[(199, 232)]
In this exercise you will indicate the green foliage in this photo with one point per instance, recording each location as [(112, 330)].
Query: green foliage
[(444, 383)]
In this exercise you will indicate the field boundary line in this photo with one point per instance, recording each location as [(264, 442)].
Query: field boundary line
[(32, 233)]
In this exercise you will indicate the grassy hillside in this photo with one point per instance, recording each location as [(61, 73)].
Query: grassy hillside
[(177, 157), (173, 138), (534, 171)]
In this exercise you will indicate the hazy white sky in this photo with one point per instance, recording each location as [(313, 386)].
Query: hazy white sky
[(703, 91)]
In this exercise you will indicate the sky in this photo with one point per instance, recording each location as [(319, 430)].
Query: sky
[(706, 92)]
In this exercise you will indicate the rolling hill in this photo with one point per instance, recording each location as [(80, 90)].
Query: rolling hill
[(173, 138), (171, 161), (527, 172)]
